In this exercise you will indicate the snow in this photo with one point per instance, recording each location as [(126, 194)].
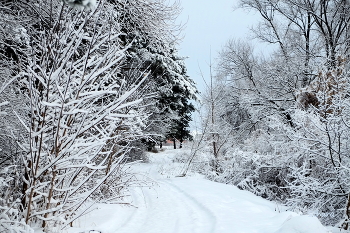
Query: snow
[(302, 224), (191, 204)]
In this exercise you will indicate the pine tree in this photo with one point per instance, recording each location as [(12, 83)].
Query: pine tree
[(179, 127), (170, 84)]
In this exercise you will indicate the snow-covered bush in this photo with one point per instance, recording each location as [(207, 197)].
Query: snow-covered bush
[(258, 173), (321, 173)]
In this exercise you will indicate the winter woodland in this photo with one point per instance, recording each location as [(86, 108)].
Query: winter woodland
[(84, 91), (88, 86), (278, 124)]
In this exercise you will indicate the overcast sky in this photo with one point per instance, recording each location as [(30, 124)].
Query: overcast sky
[(210, 23)]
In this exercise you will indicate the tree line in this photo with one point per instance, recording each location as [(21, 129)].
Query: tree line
[(84, 90)]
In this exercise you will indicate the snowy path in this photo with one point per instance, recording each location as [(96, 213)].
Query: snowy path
[(168, 209), (193, 205)]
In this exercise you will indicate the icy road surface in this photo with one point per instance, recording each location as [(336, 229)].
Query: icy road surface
[(192, 205)]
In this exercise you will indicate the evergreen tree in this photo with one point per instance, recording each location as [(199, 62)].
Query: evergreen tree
[(149, 28), (179, 127), (170, 84)]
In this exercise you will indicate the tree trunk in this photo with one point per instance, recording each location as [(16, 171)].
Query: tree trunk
[(215, 151), (347, 213), (174, 143), (25, 185)]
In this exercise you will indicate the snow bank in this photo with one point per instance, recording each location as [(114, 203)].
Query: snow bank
[(302, 224)]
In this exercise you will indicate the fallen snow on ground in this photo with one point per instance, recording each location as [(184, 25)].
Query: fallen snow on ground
[(192, 205)]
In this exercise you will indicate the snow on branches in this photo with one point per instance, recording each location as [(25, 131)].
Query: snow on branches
[(89, 4), (79, 115)]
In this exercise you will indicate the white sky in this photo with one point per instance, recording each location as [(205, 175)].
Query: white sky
[(210, 23)]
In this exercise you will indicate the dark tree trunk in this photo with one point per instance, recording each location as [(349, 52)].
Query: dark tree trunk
[(174, 140), (347, 212), (25, 186)]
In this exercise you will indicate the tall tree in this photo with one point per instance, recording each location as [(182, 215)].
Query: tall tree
[(154, 37)]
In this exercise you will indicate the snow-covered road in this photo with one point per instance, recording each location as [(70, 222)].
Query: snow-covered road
[(168, 209), (192, 205)]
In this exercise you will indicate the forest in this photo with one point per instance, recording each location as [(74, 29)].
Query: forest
[(87, 87)]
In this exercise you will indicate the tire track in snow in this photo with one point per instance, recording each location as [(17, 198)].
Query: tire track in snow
[(167, 208), (207, 215)]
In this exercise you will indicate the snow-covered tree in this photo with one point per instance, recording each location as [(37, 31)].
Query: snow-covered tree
[(320, 174), (151, 28), (77, 111), (172, 88)]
